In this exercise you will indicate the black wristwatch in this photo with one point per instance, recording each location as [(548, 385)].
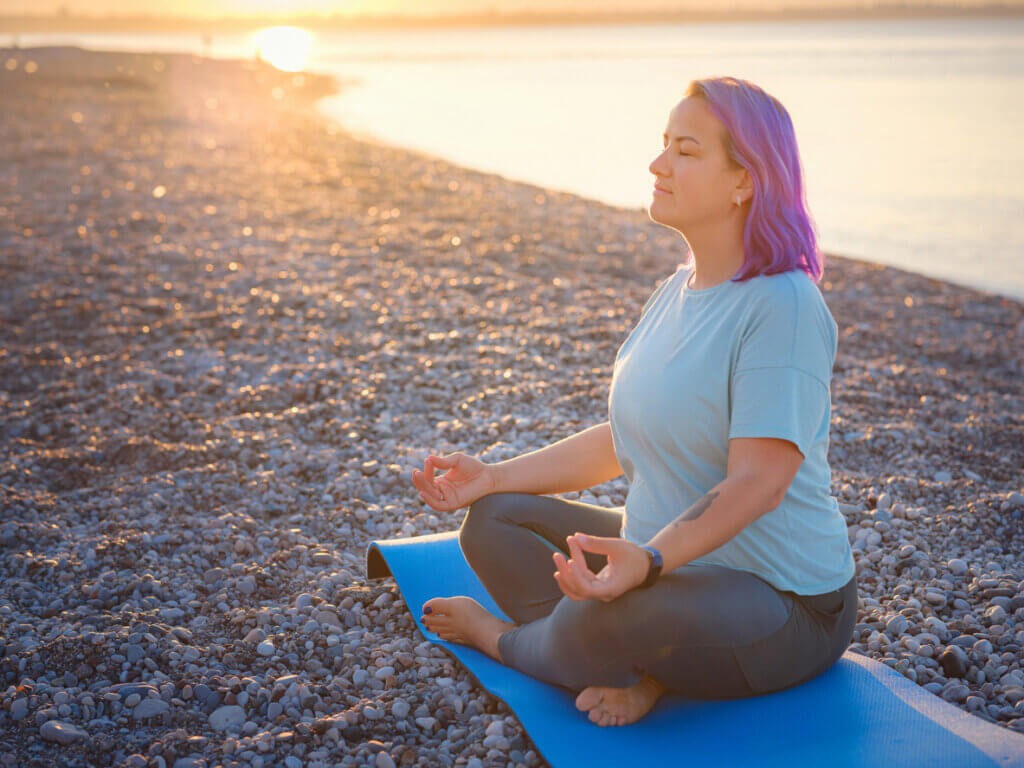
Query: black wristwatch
[(654, 569)]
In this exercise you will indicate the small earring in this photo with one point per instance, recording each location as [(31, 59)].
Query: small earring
[(737, 200)]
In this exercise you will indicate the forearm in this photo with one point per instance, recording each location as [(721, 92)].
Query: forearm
[(581, 461), (715, 518)]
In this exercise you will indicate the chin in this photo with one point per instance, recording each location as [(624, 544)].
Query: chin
[(657, 218)]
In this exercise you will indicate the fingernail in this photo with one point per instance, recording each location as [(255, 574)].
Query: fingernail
[(427, 609)]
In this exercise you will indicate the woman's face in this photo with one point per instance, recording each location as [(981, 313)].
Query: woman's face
[(693, 170)]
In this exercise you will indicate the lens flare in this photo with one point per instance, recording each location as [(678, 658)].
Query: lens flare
[(286, 48)]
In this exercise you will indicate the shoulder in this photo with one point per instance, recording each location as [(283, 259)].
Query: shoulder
[(789, 305), (794, 286), (791, 294)]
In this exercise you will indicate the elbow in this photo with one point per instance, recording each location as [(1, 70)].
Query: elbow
[(769, 490)]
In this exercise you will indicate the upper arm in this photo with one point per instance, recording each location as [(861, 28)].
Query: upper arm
[(770, 462)]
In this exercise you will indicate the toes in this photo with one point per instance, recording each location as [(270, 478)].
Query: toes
[(434, 604), (589, 698)]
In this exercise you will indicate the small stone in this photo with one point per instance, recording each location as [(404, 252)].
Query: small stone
[(897, 625), (227, 718), (954, 661), (266, 648), (62, 733), (384, 760), (19, 709), (996, 614), (1014, 677), (495, 727), (943, 477), (322, 558), (955, 692), (426, 723), (1014, 693), (255, 636), (329, 618), (400, 709), (149, 708)]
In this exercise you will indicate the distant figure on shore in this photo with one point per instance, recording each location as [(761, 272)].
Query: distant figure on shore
[(728, 572)]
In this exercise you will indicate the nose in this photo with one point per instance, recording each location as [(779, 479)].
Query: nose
[(657, 167)]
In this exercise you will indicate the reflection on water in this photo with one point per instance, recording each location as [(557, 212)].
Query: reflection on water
[(286, 48)]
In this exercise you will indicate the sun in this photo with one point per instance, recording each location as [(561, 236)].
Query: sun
[(286, 48)]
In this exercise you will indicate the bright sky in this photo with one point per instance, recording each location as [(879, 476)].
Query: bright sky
[(416, 7)]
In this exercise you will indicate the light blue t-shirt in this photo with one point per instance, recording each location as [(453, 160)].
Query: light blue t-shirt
[(749, 359)]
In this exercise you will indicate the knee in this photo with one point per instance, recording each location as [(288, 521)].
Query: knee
[(584, 629), (477, 530)]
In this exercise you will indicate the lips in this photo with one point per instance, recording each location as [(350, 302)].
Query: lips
[(662, 190)]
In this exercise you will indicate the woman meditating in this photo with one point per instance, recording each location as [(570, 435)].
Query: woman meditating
[(728, 572)]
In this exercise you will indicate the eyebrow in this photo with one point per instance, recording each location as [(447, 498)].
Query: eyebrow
[(680, 138)]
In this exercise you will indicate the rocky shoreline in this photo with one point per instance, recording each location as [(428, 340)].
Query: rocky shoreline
[(229, 333)]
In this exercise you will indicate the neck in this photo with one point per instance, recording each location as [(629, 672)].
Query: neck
[(715, 261)]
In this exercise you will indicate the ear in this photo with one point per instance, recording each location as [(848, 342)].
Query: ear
[(744, 187)]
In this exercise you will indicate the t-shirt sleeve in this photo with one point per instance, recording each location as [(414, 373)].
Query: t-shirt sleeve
[(780, 384)]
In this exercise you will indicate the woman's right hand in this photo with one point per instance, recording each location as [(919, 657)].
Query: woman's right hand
[(466, 480)]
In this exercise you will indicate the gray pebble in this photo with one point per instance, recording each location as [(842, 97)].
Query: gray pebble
[(266, 648), (62, 733), (227, 718), (149, 708), (957, 566)]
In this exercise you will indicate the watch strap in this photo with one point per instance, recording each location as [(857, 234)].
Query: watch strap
[(654, 567)]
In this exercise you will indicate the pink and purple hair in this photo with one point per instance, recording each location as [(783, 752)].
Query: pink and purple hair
[(779, 234)]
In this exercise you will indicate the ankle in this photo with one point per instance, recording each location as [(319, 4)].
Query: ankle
[(653, 685)]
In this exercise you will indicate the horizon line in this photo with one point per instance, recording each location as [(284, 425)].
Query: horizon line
[(884, 9)]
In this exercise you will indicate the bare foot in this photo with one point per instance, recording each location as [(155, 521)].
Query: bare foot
[(620, 706), (463, 620)]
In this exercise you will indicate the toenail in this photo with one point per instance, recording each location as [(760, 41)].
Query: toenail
[(427, 609)]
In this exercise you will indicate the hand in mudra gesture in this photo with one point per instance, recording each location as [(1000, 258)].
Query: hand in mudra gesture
[(466, 480), (626, 567)]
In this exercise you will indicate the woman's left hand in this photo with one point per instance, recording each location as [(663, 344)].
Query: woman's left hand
[(626, 568)]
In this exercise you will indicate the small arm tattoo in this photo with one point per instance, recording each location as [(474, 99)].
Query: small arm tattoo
[(697, 509)]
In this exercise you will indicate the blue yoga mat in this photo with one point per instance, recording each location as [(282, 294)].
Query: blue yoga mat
[(858, 713)]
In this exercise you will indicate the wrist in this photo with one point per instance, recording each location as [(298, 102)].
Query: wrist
[(499, 477), (654, 562)]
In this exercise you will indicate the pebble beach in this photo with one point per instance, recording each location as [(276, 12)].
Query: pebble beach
[(229, 331)]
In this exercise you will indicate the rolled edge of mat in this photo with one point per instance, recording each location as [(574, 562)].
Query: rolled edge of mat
[(376, 566)]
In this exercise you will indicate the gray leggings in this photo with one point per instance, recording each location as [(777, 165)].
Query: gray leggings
[(703, 631)]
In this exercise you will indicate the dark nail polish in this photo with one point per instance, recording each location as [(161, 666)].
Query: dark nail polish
[(427, 609)]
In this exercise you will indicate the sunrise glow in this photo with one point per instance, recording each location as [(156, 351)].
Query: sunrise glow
[(286, 48)]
